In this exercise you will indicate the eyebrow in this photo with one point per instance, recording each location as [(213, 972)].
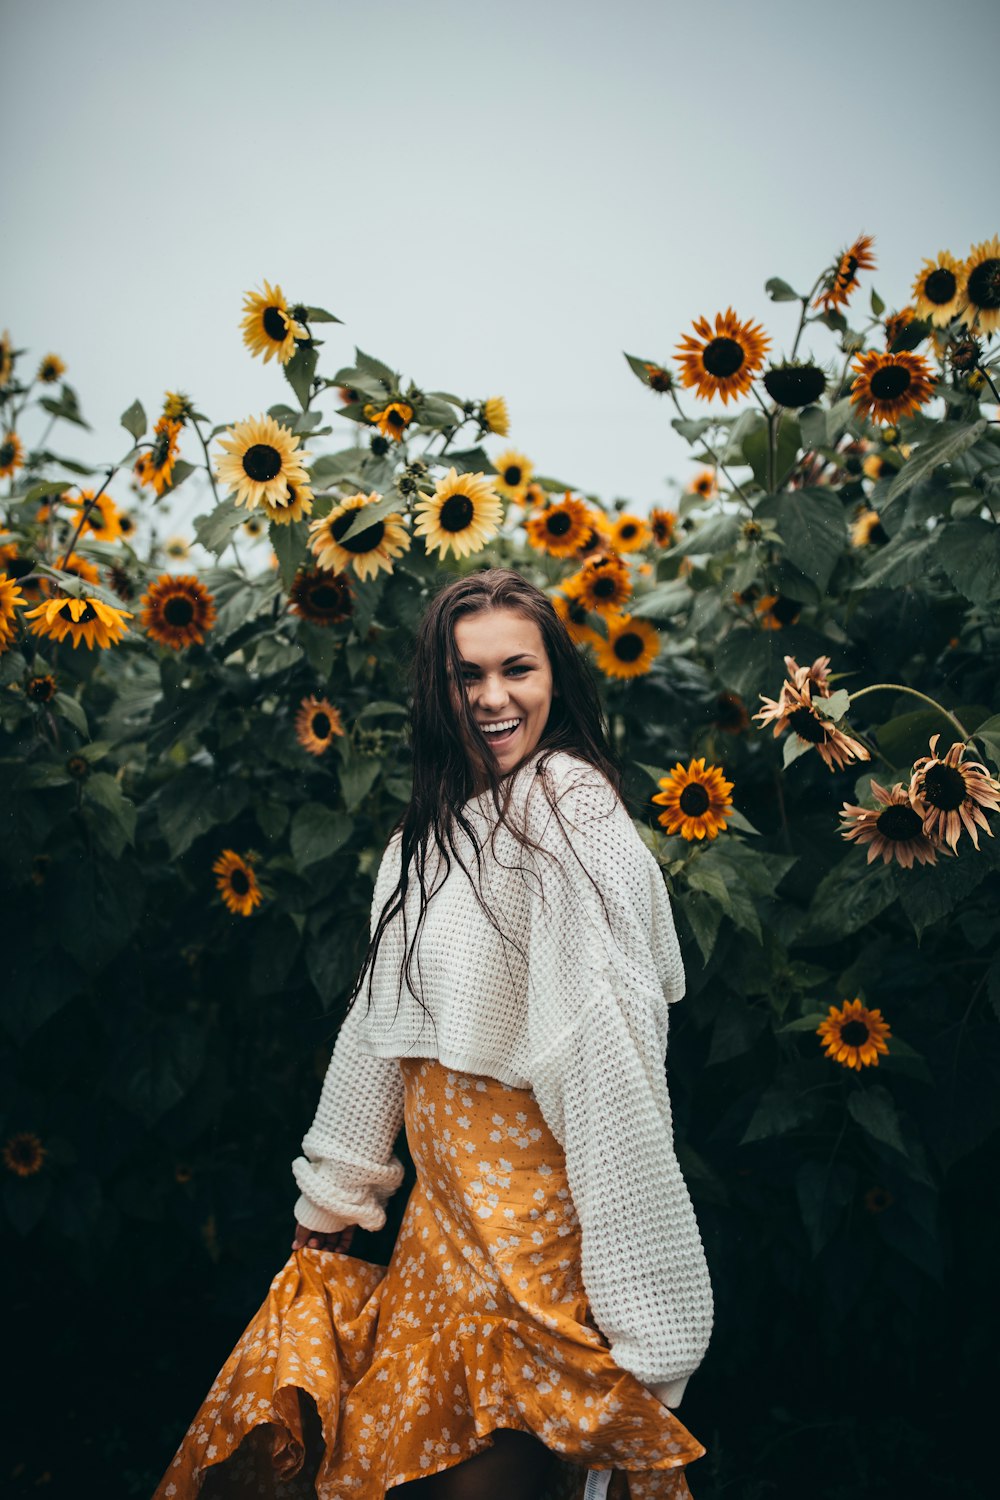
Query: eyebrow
[(505, 663)]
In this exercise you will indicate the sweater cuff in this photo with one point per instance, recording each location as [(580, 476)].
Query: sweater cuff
[(321, 1220), (669, 1392)]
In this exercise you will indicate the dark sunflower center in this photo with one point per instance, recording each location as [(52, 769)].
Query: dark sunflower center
[(558, 522), (890, 382), (292, 495), (984, 285), (848, 269), (939, 287), (160, 452), (363, 541), (627, 532), (7, 452), (808, 726), (89, 613), (604, 586), (178, 611), (40, 689), (239, 882), (397, 420), (274, 325), (578, 612), (854, 1033), (786, 611), (321, 726), (694, 800), (722, 357), (323, 596), (512, 475), (898, 824), (261, 463), (24, 1152), (456, 513), (628, 647), (944, 788)]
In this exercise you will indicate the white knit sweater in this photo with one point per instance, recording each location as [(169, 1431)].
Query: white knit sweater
[(580, 1017)]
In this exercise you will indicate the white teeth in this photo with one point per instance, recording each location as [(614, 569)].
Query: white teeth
[(499, 728)]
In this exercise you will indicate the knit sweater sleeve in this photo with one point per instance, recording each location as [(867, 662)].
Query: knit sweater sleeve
[(348, 1171), (600, 986)]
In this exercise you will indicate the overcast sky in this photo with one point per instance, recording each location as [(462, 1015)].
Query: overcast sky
[(496, 199)]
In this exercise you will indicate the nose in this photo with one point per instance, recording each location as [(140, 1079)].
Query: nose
[(492, 695)]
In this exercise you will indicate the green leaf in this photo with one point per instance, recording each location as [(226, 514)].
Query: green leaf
[(737, 1027), (299, 372), (99, 904), (931, 892), (215, 529), (877, 305), (357, 777), (367, 515), (318, 832), (780, 291), (813, 531), (716, 534), (824, 1189), (948, 443), (848, 897), (290, 547), (692, 428), (193, 802), (467, 461), (779, 1111), (66, 408), (133, 419), (704, 917), (638, 366), (372, 366), (73, 711), (330, 467), (663, 601), (104, 791), (812, 425), (377, 709), (42, 491), (157, 1068), (320, 315), (969, 552), (989, 734), (903, 560), (25, 1200), (835, 706), (904, 738), (874, 1110)]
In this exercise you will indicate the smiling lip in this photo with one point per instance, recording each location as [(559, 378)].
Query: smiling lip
[(506, 735)]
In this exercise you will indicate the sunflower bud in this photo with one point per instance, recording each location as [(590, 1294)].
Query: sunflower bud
[(793, 384), (379, 445), (964, 354)]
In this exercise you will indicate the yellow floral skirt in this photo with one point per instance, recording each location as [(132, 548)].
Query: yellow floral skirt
[(354, 1378)]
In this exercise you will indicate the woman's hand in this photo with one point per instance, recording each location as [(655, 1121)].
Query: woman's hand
[(313, 1239)]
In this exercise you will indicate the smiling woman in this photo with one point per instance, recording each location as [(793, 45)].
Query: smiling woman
[(508, 680)]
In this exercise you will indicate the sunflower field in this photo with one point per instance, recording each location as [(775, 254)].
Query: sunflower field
[(203, 759)]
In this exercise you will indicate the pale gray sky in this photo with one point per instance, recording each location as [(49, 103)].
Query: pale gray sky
[(496, 198)]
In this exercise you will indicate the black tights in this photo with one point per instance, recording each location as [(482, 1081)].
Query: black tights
[(517, 1464)]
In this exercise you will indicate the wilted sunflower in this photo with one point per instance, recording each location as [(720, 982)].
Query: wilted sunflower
[(777, 611), (981, 298), (237, 882), (893, 829), (177, 547), (24, 1154), (662, 523), (630, 649), (268, 326), (6, 358), (41, 689), (896, 324), (11, 455), (793, 709), (558, 529), (890, 386), (463, 513), (154, 469), (177, 406), (937, 291), (868, 530), (393, 420), (316, 724), (177, 610), (629, 533), (101, 515), (722, 362), (793, 384), (602, 584), (369, 550), (88, 620), (704, 484), (950, 792), (514, 472), (321, 597), (842, 278), (731, 714), (50, 370), (854, 1036), (496, 416), (11, 596), (695, 800), (574, 616), (261, 462)]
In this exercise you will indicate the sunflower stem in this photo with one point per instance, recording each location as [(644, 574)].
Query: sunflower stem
[(714, 456), (87, 508), (806, 302), (900, 687), (208, 464)]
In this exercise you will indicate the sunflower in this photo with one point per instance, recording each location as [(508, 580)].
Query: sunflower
[(598, 538), (574, 616), (100, 515), (80, 567), (535, 495), (658, 379), (724, 362), (237, 882), (11, 455), (254, 526), (368, 550), (268, 326), (88, 620), (776, 611), (316, 723), (704, 484), (842, 279), (893, 829), (868, 530), (950, 792), (878, 1199), (896, 324), (177, 407), (178, 548), (891, 385), (6, 358), (463, 513), (177, 610), (981, 300), (513, 474), (121, 582), (154, 469), (602, 584), (126, 525), (695, 801), (793, 709), (630, 648), (261, 462), (731, 714), (393, 420), (298, 502), (11, 596), (24, 1154), (321, 597), (50, 370), (560, 528), (496, 416), (41, 689), (630, 533), (793, 384), (662, 523), (880, 466), (854, 1035)]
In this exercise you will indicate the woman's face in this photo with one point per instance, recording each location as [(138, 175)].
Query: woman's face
[(508, 680)]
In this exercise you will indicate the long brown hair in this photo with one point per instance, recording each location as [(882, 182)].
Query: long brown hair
[(452, 757)]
